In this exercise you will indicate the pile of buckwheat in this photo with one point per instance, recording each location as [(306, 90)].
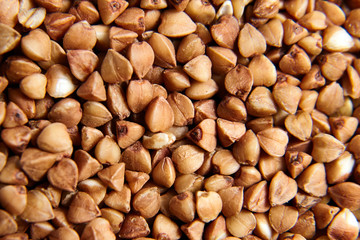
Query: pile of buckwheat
[(179, 119)]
